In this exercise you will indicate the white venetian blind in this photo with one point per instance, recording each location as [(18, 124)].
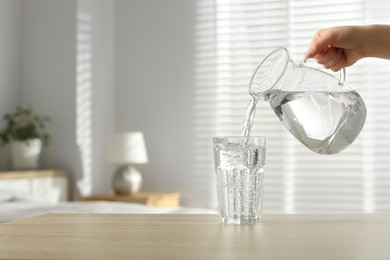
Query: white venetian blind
[(232, 37)]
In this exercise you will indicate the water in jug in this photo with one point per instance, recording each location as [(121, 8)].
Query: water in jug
[(319, 109)]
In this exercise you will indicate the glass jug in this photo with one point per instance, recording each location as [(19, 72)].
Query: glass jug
[(320, 110)]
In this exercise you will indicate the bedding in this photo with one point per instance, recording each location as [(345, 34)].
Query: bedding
[(17, 205), (18, 209)]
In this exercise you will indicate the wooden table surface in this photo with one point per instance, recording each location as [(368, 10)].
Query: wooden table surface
[(122, 236)]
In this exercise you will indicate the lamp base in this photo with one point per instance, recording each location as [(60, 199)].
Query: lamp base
[(127, 180)]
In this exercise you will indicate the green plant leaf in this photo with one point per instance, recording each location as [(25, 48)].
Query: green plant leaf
[(23, 125)]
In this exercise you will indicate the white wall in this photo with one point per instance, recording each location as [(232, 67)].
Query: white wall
[(52, 57), (154, 70), (95, 67), (48, 75), (9, 62)]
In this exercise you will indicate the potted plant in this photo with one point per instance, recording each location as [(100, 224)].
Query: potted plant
[(25, 131)]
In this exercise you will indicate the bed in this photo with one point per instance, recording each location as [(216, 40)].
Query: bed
[(36, 192), (14, 206)]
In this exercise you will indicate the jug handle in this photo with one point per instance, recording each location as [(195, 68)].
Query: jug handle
[(342, 72)]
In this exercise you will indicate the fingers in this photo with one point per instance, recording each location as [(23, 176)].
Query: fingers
[(325, 57), (329, 57), (340, 64), (332, 58), (321, 41)]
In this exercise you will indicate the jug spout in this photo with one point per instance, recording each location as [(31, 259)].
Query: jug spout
[(268, 74)]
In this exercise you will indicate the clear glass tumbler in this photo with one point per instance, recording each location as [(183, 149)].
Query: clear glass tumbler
[(240, 173)]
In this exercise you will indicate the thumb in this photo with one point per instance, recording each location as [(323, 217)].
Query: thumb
[(321, 41)]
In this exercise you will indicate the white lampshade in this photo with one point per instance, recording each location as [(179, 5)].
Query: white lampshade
[(128, 147)]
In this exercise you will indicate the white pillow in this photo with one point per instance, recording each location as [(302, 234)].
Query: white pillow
[(14, 196)]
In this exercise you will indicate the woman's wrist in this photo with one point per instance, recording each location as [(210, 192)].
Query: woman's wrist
[(376, 41), (369, 40), (366, 33)]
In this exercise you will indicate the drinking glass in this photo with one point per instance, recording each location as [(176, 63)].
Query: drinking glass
[(240, 172)]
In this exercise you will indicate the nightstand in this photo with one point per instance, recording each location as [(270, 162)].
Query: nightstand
[(48, 185), (170, 200)]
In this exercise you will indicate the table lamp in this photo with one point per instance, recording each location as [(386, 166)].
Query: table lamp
[(128, 149)]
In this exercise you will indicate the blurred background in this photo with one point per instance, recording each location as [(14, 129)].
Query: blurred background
[(178, 71)]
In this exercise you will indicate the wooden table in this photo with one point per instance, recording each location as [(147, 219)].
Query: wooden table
[(98, 236)]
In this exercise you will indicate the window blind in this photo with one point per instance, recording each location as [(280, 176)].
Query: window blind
[(232, 37)]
